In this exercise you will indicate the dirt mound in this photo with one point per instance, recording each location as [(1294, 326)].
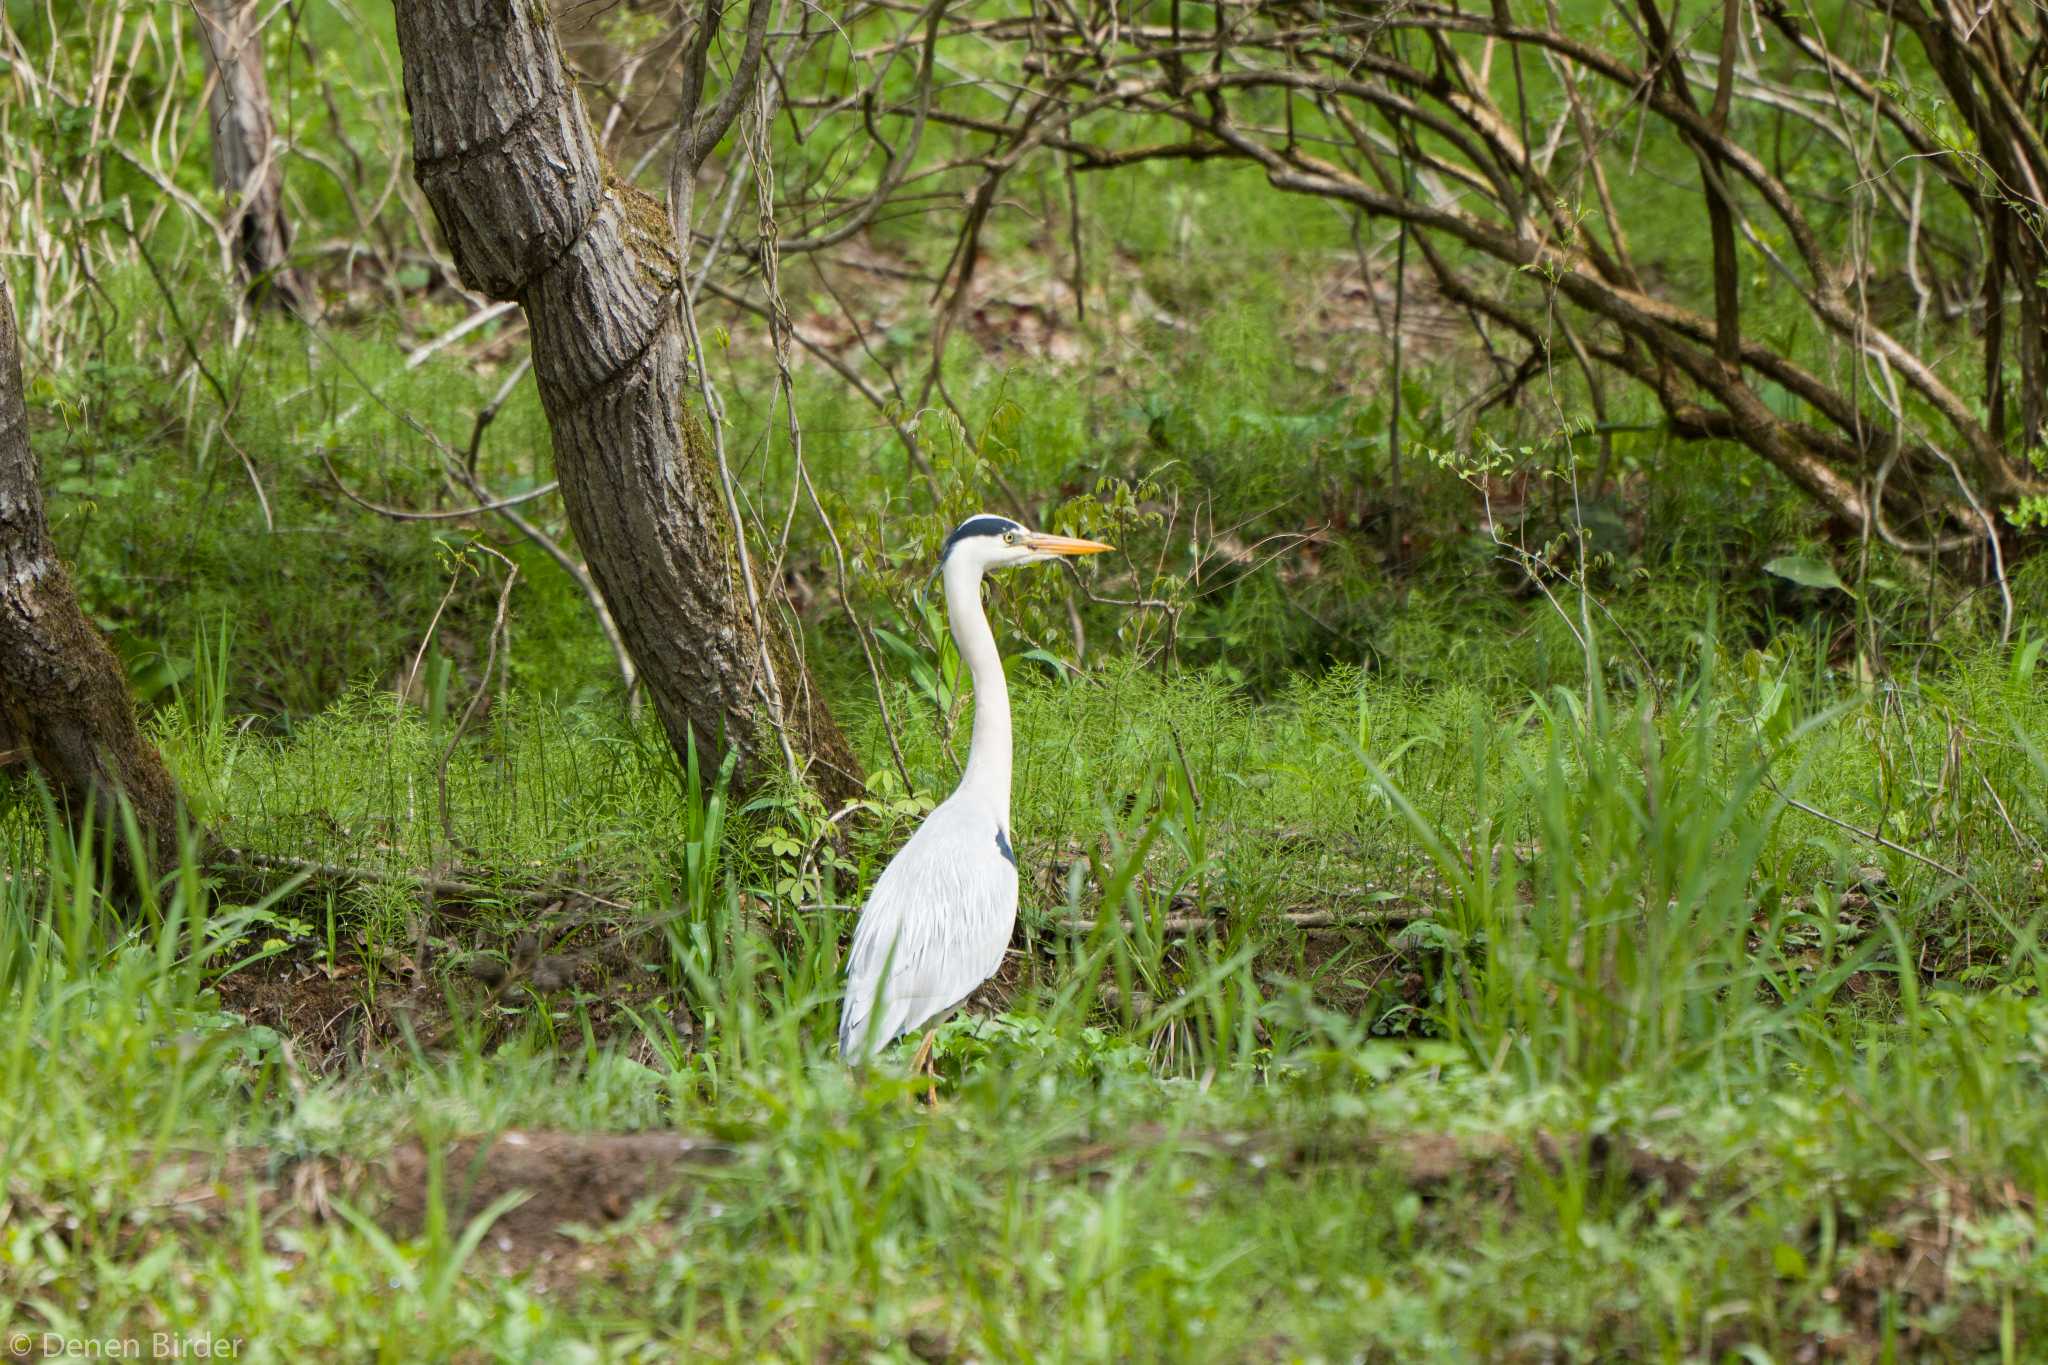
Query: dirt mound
[(561, 1181), (567, 1179)]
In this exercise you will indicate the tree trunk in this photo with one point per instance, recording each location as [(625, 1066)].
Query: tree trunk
[(64, 702), (245, 163), (532, 212)]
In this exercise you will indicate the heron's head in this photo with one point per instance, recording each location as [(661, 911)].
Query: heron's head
[(990, 542)]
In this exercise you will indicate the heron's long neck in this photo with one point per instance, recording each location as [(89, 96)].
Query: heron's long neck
[(988, 752)]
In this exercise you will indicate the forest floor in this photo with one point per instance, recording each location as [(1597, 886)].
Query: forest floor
[(1728, 1080)]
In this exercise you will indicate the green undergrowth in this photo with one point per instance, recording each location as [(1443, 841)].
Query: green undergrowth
[(1681, 1071), (1347, 789)]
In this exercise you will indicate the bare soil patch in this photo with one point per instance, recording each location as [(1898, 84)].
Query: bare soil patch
[(564, 1183), (565, 1179)]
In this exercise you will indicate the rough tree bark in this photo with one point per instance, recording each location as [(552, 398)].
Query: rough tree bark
[(64, 702), (245, 161), (532, 212)]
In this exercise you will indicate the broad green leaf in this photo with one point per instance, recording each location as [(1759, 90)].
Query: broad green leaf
[(1807, 572)]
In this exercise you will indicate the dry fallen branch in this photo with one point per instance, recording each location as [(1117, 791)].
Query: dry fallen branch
[(446, 890), (440, 889), (1181, 925)]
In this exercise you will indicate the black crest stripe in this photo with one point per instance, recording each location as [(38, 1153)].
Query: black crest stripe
[(978, 526)]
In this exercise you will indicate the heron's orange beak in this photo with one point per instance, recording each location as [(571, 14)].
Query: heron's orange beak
[(1064, 545)]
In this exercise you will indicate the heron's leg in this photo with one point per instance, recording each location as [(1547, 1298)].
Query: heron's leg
[(921, 1063)]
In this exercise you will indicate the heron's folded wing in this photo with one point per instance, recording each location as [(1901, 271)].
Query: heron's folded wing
[(933, 929)]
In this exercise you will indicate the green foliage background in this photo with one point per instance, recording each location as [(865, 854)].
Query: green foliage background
[(1660, 821)]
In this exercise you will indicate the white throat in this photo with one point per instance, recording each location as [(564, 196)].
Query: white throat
[(988, 751)]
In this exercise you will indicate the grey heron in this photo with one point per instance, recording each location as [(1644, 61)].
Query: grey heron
[(940, 915)]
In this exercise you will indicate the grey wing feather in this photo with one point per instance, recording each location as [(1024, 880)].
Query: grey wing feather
[(933, 929)]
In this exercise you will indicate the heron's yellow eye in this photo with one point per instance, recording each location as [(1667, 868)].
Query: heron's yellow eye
[(1012, 537)]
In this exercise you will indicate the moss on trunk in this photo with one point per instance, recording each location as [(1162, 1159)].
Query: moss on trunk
[(64, 703)]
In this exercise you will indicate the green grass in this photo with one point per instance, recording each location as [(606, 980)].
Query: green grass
[(1846, 1067)]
